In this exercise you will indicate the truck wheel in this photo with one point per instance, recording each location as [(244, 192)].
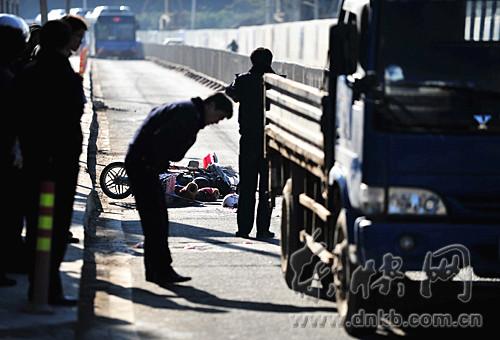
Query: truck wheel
[(348, 302), (289, 233)]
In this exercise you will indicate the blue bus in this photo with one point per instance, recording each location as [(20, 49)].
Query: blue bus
[(113, 32)]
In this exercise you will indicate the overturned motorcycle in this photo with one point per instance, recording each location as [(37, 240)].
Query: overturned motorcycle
[(115, 184)]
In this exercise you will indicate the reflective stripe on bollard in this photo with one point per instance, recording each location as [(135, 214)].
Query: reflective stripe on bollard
[(39, 303)]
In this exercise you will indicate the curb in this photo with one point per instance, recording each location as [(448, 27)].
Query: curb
[(106, 308), (208, 81), (92, 210), (93, 204)]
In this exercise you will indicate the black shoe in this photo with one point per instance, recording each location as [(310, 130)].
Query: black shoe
[(240, 234), (265, 234), (169, 278), (63, 301), (6, 282)]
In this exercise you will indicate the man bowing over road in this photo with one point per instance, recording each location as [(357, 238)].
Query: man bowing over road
[(166, 135)]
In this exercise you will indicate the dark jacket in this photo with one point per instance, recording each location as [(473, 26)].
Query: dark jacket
[(167, 133), (50, 101), (7, 133), (247, 90)]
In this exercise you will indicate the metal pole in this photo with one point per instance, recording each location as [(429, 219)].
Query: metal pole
[(193, 14), (268, 11), (44, 11), (68, 6), (84, 4), (316, 9)]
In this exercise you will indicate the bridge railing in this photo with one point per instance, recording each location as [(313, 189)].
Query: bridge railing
[(223, 65)]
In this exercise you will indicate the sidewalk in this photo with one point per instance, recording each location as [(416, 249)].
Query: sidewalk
[(14, 322)]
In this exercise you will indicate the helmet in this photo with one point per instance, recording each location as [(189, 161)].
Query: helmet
[(230, 201), (13, 21)]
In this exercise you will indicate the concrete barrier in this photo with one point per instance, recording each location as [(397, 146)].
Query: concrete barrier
[(223, 65)]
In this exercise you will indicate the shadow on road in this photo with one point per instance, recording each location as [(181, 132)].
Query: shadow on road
[(148, 298), (206, 235), (198, 296)]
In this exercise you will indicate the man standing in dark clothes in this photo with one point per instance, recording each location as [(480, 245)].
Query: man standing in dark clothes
[(166, 135), (51, 142), (78, 29), (14, 33), (247, 90)]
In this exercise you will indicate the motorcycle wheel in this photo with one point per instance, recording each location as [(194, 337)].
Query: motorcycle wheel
[(114, 181)]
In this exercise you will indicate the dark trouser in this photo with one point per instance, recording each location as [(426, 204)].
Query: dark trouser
[(150, 202), (65, 177), (13, 247), (253, 168)]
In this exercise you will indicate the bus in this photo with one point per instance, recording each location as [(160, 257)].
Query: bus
[(112, 32)]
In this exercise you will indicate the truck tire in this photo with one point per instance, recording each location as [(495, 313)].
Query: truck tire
[(348, 302), (289, 233)]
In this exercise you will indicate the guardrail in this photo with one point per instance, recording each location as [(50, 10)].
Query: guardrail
[(223, 65)]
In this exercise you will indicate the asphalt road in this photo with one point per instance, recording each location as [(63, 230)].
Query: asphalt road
[(237, 291)]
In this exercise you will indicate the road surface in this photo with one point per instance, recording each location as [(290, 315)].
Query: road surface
[(237, 289)]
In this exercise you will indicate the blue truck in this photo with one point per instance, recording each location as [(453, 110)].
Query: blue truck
[(393, 169)]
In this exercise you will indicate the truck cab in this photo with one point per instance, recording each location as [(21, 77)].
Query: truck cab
[(417, 153)]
